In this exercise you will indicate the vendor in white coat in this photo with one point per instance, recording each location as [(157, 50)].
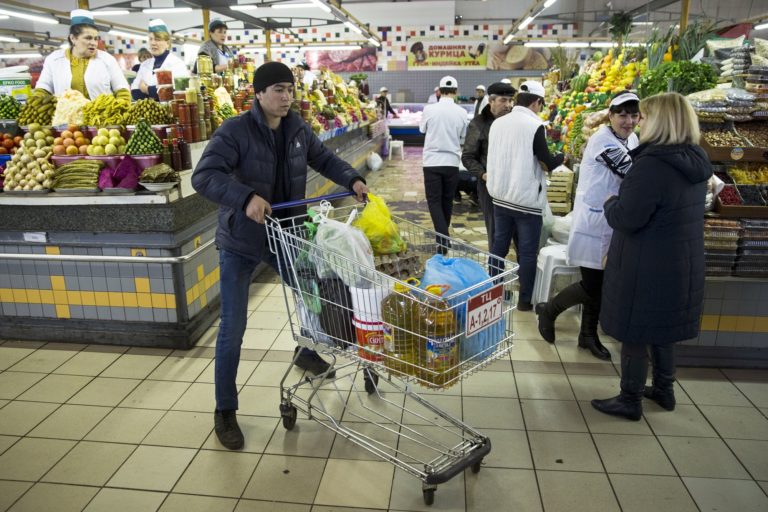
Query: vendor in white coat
[(145, 83), (607, 159), (82, 66)]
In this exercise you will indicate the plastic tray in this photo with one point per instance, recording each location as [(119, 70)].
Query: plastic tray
[(721, 244), (754, 244)]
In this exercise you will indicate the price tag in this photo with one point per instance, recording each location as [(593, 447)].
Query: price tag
[(484, 309)]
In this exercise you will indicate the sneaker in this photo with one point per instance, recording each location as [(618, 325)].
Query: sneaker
[(474, 201), (227, 429), (524, 306), (309, 360)]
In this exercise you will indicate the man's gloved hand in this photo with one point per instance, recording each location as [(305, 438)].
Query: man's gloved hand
[(257, 209)]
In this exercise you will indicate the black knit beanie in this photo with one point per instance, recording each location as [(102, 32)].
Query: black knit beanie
[(271, 73)]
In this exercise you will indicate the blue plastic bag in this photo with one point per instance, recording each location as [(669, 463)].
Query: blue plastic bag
[(460, 274)]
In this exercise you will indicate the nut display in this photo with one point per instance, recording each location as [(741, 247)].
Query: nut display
[(757, 133), (750, 195), (729, 196), (723, 138)]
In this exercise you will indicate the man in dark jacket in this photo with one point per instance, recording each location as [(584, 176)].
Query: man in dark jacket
[(475, 152), (252, 161), (382, 101)]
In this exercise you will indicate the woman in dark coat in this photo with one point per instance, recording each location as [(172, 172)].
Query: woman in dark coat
[(654, 277)]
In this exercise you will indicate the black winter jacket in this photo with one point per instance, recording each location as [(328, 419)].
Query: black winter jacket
[(653, 287), (474, 154), (240, 161)]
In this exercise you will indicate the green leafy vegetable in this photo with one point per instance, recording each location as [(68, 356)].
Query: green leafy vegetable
[(686, 78)]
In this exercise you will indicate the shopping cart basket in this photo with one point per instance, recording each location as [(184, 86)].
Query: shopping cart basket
[(381, 330)]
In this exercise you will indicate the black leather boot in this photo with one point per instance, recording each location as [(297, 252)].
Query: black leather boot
[(663, 390), (548, 312), (588, 338), (629, 402)]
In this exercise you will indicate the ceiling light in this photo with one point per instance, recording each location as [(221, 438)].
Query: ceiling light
[(31, 17), (549, 3), (116, 12), (633, 45), (321, 5), (602, 44), (5, 39), (129, 35), (542, 44), (300, 5), (374, 42), (20, 55), (4, 17), (351, 26), (575, 44), (508, 39), (166, 10), (761, 27), (641, 23), (525, 23)]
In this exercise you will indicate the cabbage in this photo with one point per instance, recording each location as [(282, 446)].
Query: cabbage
[(130, 182), (128, 167), (105, 178)]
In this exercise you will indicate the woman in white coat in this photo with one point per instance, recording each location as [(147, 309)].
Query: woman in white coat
[(82, 66), (605, 162), (145, 83)]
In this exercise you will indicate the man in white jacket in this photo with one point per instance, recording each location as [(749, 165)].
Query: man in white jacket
[(445, 125), (517, 183)]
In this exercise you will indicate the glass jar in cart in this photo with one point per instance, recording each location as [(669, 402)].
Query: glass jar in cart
[(439, 341), (398, 310)]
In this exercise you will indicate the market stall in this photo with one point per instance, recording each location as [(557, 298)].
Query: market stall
[(103, 238)]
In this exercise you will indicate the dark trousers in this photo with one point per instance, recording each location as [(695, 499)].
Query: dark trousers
[(592, 281), (486, 205), (439, 186), (508, 224)]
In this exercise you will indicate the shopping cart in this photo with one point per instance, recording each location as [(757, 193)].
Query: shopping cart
[(427, 340)]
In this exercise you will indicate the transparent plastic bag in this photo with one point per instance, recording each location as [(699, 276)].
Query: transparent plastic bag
[(343, 250)]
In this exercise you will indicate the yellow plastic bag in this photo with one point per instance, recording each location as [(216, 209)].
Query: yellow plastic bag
[(377, 224)]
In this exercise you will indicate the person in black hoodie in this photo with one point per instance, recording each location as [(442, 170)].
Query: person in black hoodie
[(474, 154), (654, 277), (255, 160)]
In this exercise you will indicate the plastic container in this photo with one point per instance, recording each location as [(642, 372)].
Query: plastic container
[(165, 93), (181, 83), (164, 77), (369, 328), (401, 345)]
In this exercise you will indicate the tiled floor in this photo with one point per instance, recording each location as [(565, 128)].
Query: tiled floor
[(116, 429)]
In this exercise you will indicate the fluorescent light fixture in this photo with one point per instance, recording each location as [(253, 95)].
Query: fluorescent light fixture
[(321, 5), (633, 45), (575, 44), (374, 42), (333, 47), (762, 26), (549, 3), (300, 5), (4, 17), (166, 10), (354, 28), (526, 22), (30, 17), (542, 44), (602, 44), (508, 39), (20, 55), (642, 23), (5, 39), (246, 8), (130, 35), (115, 12)]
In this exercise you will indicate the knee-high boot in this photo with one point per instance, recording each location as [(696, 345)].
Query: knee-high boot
[(588, 337), (548, 312), (663, 391), (634, 369)]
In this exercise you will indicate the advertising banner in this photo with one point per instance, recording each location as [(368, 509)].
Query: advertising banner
[(340, 61), (455, 53)]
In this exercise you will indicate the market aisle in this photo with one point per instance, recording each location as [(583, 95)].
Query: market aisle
[(109, 428)]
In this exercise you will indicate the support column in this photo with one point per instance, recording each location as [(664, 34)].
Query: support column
[(83, 4), (268, 57), (206, 21), (686, 7)]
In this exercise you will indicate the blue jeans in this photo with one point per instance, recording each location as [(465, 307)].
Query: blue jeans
[(236, 273), (526, 230)]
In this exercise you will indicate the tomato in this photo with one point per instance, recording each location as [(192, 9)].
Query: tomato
[(17, 140), (8, 143)]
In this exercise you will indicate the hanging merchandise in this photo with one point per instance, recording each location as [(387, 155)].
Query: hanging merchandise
[(377, 224)]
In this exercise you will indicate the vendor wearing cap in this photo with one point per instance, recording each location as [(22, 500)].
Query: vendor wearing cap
[(480, 99), (517, 182), (607, 159), (253, 161), (444, 123), (474, 155), (435, 96), (82, 66), (215, 48), (145, 83), (382, 101)]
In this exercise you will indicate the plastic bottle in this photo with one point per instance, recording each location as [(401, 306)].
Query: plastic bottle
[(439, 342), (401, 352), (186, 153)]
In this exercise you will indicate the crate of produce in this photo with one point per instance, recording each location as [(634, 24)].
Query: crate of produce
[(730, 204), (727, 145)]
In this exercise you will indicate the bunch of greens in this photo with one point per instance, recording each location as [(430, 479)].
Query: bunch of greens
[(692, 39), (683, 77)]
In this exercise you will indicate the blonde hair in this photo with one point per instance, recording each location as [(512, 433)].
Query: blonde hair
[(161, 36), (668, 119)]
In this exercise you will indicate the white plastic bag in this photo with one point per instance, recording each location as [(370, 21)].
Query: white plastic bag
[(343, 251), (374, 161), (561, 229)]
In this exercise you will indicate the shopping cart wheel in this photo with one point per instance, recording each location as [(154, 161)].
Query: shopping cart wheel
[(476, 466), (288, 413), (371, 380), (429, 496)]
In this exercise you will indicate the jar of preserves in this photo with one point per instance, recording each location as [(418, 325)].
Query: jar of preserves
[(184, 113), (175, 108), (204, 65), (164, 77), (194, 132), (180, 95), (191, 96), (165, 93)]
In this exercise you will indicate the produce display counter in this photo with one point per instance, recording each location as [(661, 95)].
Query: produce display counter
[(139, 270), (406, 126)]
